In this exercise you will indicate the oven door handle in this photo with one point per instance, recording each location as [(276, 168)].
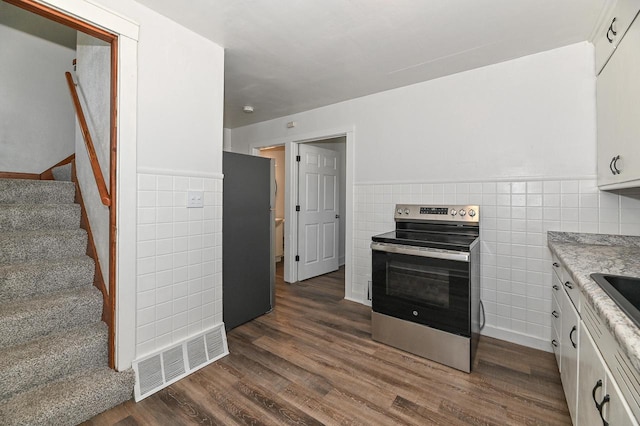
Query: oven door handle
[(422, 252)]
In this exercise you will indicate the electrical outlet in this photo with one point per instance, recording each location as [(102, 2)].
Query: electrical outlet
[(195, 199)]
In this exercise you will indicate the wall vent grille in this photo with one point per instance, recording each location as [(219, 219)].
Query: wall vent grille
[(159, 370)]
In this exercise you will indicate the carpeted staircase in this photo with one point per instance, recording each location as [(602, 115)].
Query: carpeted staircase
[(53, 344)]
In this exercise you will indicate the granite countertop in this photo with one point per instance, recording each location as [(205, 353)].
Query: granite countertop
[(584, 254)]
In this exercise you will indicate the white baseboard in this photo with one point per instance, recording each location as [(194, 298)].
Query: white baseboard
[(517, 338)]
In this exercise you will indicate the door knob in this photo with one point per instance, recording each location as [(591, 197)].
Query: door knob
[(337, 216)]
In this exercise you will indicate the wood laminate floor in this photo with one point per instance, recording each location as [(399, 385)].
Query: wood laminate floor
[(312, 361)]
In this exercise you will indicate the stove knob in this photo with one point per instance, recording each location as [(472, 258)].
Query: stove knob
[(406, 211), (472, 212), (462, 212), (399, 211), (454, 212)]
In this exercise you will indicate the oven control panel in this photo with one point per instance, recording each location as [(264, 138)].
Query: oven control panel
[(455, 213)]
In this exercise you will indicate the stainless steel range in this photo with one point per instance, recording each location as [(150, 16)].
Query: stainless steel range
[(426, 283)]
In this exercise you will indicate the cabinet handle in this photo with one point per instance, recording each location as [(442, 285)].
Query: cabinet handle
[(612, 31), (571, 336), (554, 342), (600, 408), (556, 264), (615, 165), (611, 165), (593, 392), (555, 314), (568, 285), (556, 288)]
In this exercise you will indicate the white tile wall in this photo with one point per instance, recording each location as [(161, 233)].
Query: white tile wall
[(515, 260), (179, 260)]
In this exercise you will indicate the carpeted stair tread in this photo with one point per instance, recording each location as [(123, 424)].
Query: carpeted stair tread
[(21, 321), (33, 245), (36, 191), (33, 217), (69, 401), (52, 357), (37, 278)]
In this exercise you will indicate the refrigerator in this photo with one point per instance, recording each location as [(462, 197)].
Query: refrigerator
[(248, 249)]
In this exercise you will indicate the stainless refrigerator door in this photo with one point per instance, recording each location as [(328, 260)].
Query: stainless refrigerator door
[(247, 243)]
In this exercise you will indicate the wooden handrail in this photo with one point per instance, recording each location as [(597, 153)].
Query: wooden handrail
[(91, 151)]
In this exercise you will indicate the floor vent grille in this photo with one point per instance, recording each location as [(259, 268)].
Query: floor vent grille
[(197, 354), (159, 370)]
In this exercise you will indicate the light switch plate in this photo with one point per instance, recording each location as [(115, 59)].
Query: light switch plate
[(195, 199)]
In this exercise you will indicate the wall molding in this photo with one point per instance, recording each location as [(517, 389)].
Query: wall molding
[(490, 179), (173, 172)]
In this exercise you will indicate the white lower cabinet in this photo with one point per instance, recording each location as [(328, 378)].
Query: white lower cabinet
[(600, 401), (593, 395)]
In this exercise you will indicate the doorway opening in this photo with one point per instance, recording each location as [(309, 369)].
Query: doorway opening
[(277, 154), (344, 138)]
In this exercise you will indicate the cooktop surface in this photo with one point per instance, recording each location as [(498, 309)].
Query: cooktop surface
[(427, 239)]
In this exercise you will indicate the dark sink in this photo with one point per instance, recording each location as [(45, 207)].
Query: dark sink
[(625, 291)]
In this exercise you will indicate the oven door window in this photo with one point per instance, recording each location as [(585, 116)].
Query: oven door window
[(428, 291), (425, 284)]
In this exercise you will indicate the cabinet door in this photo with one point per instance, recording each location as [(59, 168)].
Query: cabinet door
[(613, 29), (618, 95), (569, 352), (592, 381), (597, 386), (616, 411)]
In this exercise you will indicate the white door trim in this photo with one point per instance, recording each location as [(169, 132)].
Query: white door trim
[(127, 32), (290, 274)]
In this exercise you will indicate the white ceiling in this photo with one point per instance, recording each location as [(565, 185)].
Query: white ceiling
[(284, 56)]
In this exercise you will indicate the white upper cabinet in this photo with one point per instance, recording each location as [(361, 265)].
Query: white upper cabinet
[(618, 112), (613, 30)]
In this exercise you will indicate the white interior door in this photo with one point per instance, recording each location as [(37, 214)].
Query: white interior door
[(318, 226)]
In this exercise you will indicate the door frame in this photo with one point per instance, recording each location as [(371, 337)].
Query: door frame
[(291, 192), (122, 35)]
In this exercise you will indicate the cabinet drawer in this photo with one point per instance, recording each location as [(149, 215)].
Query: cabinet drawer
[(613, 30), (557, 267), (569, 286)]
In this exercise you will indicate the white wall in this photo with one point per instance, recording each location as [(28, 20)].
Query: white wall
[(93, 76), (36, 113), (179, 148), (170, 127), (526, 117), (480, 136)]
